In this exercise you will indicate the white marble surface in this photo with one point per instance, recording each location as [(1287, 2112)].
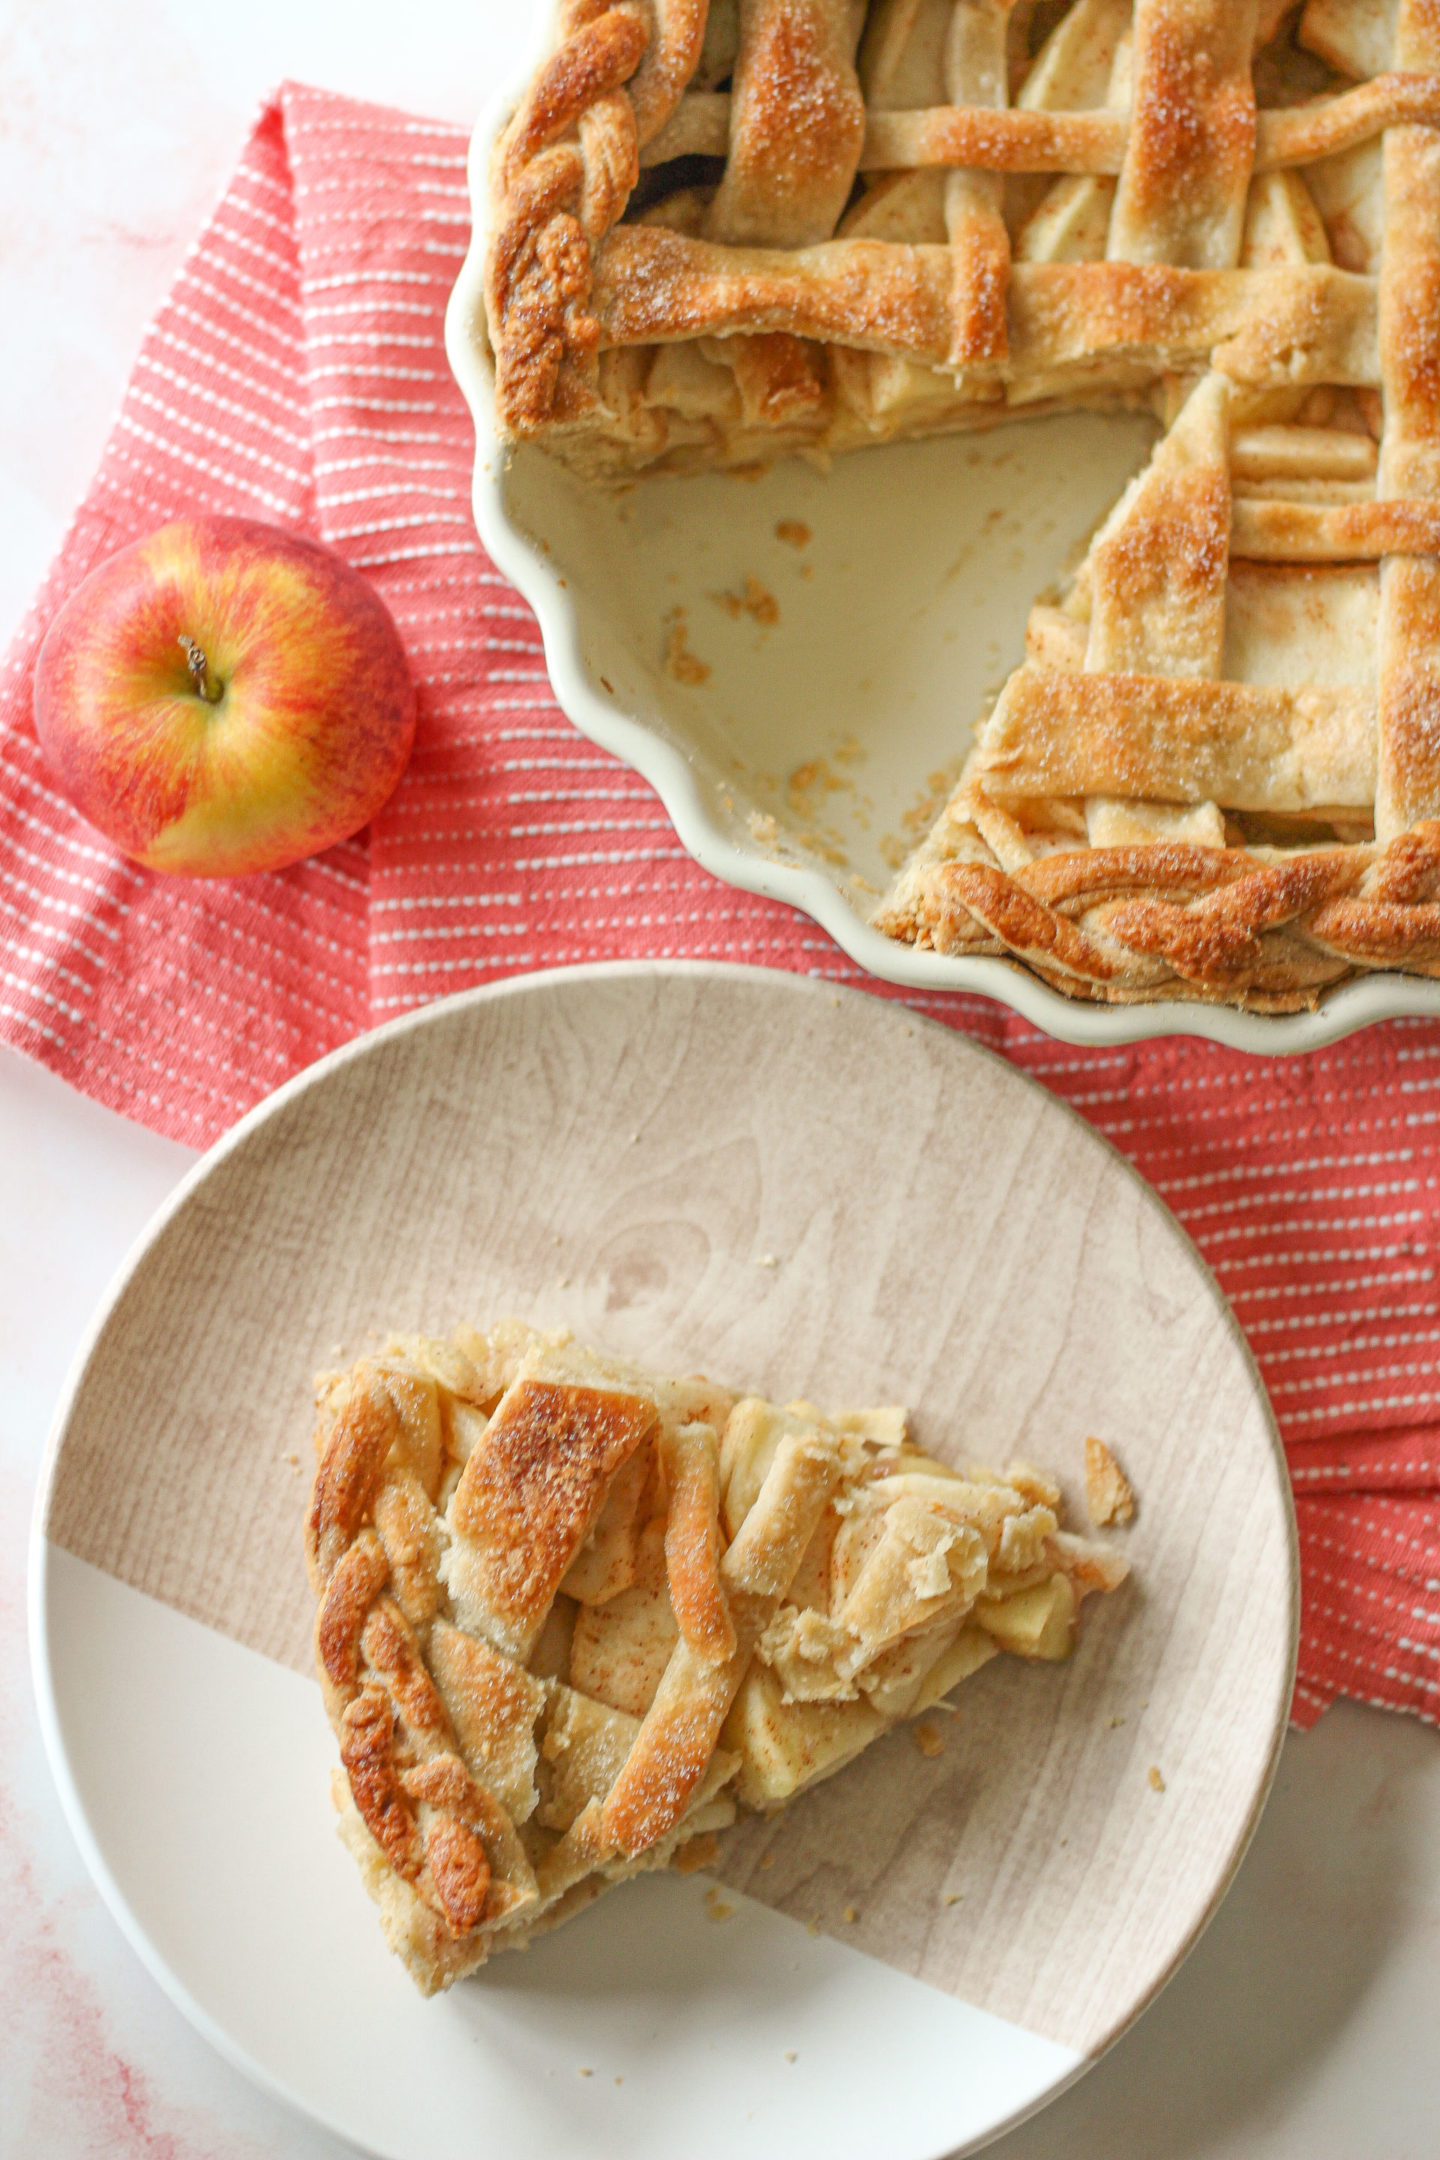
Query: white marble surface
[(1302, 2028)]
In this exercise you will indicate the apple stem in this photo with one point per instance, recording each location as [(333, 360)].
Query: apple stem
[(200, 675)]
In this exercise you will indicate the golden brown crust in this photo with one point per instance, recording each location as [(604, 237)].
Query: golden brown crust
[(493, 1705), (653, 286), (690, 1459), (672, 1752), (996, 139), (795, 130), (656, 286), (1409, 747), (1180, 739), (1181, 197), (393, 1654), (938, 300), (356, 1580), (1302, 324), (460, 1870), (1011, 139), (557, 189), (682, 1727), (796, 124), (348, 1477), (1333, 532), (1303, 134), (367, 1733), (532, 1489), (1334, 908), (677, 36)]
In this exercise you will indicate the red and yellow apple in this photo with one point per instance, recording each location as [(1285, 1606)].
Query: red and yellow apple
[(224, 697)]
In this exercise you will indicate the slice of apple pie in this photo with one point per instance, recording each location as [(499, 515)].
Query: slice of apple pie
[(571, 1613)]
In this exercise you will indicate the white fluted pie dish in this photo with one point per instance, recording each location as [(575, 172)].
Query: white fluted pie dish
[(800, 704)]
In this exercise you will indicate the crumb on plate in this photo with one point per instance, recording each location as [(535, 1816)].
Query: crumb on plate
[(1109, 1495)]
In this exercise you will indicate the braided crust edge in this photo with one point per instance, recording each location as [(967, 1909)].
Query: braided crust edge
[(561, 175), (1215, 925), (449, 1866)]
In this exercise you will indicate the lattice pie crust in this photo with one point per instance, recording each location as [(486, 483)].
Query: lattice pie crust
[(571, 1613), (724, 233)]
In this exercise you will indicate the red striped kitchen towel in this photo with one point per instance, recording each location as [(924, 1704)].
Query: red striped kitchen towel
[(297, 373)]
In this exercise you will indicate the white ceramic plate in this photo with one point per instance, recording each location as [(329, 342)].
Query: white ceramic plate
[(807, 1190), (898, 620)]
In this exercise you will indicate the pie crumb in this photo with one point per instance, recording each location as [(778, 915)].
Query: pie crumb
[(812, 1927), (717, 1907), (1111, 1723), (952, 1897), (619, 2080), (927, 1739), (1153, 1773), (766, 1259), (767, 1860), (789, 2054), (851, 1914), (697, 1852), (682, 665), (584, 2072), (794, 532), (1109, 1495), (754, 600)]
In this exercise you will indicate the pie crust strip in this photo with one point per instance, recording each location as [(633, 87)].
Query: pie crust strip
[(1012, 139)]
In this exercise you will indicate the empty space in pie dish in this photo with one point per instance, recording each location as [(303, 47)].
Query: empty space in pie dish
[(818, 645)]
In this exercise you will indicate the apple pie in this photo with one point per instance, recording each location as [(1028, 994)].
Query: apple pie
[(724, 233), (572, 1614)]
